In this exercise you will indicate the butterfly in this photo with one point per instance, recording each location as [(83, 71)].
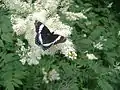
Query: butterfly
[(45, 38)]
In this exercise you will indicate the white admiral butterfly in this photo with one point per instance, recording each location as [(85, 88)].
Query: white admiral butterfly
[(45, 38)]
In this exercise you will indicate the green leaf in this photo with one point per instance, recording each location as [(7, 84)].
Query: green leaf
[(19, 74), (5, 24), (86, 41), (0, 31), (99, 69), (9, 86), (8, 57), (104, 85), (7, 37), (84, 89), (1, 43), (109, 44), (15, 84), (7, 76), (17, 81), (6, 28), (97, 32), (84, 44)]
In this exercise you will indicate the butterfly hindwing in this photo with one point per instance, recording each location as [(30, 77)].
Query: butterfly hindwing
[(61, 40), (45, 38), (48, 41)]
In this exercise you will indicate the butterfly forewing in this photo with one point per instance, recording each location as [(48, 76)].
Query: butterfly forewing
[(37, 25), (45, 31), (37, 41)]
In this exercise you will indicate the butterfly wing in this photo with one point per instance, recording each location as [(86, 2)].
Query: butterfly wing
[(45, 38), (37, 41), (62, 39), (40, 26), (48, 40), (37, 25), (42, 36)]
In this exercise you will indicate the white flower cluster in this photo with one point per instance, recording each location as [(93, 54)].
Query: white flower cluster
[(50, 76), (65, 5), (18, 5), (118, 33), (91, 56), (19, 25), (98, 45), (74, 16), (70, 15), (46, 12), (117, 66), (26, 55), (110, 5)]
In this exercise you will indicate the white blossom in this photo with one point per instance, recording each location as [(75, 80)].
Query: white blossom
[(110, 5), (26, 54), (20, 42), (51, 5), (50, 76), (19, 6), (98, 45), (84, 35), (91, 56), (44, 11), (53, 24), (53, 75), (45, 79), (88, 23), (118, 33), (64, 4), (117, 66), (102, 38), (68, 50), (72, 55), (18, 25), (74, 16)]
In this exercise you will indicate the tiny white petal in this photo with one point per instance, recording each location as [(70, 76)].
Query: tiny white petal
[(98, 45), (91, 56), (74, 16), (110, 5), (118, 33), (53, 75)]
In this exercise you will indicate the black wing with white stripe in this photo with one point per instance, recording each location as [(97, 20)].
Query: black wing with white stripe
[(45, 38)]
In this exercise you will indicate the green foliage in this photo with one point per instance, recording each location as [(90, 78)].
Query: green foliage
[(11, 70), (79, 74)]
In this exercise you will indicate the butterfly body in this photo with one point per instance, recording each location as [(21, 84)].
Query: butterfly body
[(45, 38)]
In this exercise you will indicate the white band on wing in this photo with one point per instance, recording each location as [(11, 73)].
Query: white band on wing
[(40, 38), (41, 41), (41, 27), (48, 44), (58, 38)]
